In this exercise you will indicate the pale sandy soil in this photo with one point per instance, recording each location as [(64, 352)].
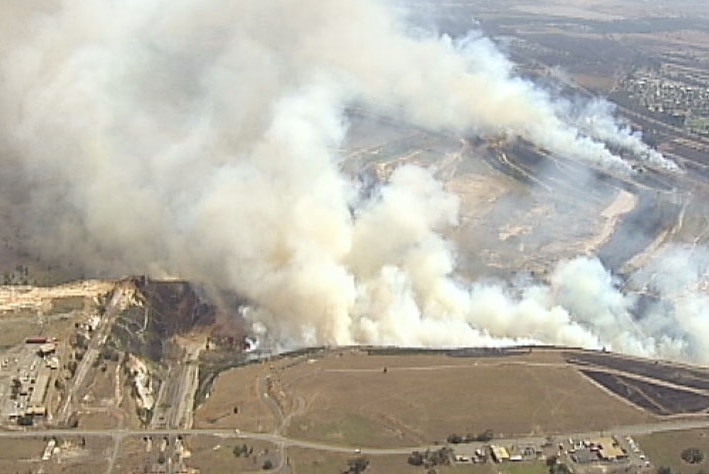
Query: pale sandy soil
[(622, 204)]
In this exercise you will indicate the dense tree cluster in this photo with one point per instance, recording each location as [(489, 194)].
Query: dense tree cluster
[(242, 450), (429, 459), (484, 437)]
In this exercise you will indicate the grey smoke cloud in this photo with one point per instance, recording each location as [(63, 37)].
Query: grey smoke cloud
[(201, 141)]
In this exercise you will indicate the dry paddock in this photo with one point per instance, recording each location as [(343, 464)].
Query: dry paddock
[(346, 397)]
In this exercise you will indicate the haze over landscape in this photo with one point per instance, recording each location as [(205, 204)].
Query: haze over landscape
[(206, 143)]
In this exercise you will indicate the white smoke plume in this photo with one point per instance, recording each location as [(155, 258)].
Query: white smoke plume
[(200, 140), (596, 119)]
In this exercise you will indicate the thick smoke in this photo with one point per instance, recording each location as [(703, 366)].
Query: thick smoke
[(201, 141)]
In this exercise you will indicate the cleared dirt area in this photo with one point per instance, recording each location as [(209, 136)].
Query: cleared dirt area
[(63, 297)]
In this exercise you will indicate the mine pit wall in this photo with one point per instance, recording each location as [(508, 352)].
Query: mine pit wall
[(169, 308)]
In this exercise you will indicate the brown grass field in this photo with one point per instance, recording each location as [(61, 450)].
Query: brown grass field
[(16, 326), (664, 449), (422, 399), (236, 388), (131, 456), (344, 397), (16, 452), (98, 420), (25, 455), (103, 383), (306, 461), (16, 331), (128, 408), (211, 454)]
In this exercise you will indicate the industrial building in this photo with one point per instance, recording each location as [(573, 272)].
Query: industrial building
[(36, 406), (608, 449), (499, 453), (48, 348)]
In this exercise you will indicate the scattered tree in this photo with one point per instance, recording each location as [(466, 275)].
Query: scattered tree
[(25, 420), (416, 459), (73, 421), (242, 450), (71, 366), (485, 436), (357, 465), (692, 455)]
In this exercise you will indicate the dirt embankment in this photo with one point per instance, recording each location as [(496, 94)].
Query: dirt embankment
[(15, 298)]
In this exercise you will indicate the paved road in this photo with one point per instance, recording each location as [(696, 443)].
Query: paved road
[(630, 430)]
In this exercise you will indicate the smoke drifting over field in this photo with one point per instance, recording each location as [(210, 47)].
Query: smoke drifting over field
[(178, 138)]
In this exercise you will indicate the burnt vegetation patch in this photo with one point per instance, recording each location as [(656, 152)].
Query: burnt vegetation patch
[(658, 399), (167, 308), (661, 371), (174, 306)]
